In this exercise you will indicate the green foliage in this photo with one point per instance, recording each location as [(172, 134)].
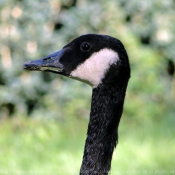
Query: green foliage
[(32, 29)]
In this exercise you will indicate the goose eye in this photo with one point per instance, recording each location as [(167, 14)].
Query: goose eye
[(85, 47)]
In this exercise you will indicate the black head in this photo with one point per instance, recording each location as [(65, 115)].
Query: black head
[(92, 58)]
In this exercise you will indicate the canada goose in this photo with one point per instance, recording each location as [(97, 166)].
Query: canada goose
[(102, 62)]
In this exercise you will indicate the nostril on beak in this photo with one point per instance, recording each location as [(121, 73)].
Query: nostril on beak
[(47, 59)]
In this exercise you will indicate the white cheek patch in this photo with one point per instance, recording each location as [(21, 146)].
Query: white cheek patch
[(94, 68)]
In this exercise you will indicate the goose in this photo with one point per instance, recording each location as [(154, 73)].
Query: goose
[(102, 62)]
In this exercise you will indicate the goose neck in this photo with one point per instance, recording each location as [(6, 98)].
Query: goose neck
[(102, 135)]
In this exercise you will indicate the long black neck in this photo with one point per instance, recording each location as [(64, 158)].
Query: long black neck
[(102, 134)]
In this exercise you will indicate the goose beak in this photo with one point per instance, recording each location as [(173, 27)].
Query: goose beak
[(49, 63)]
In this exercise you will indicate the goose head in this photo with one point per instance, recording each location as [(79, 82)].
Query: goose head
[(93, 59)]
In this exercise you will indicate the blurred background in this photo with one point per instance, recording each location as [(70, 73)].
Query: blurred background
[(44, 117)]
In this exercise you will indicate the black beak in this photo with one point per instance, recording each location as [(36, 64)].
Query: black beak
[(49, 63)]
